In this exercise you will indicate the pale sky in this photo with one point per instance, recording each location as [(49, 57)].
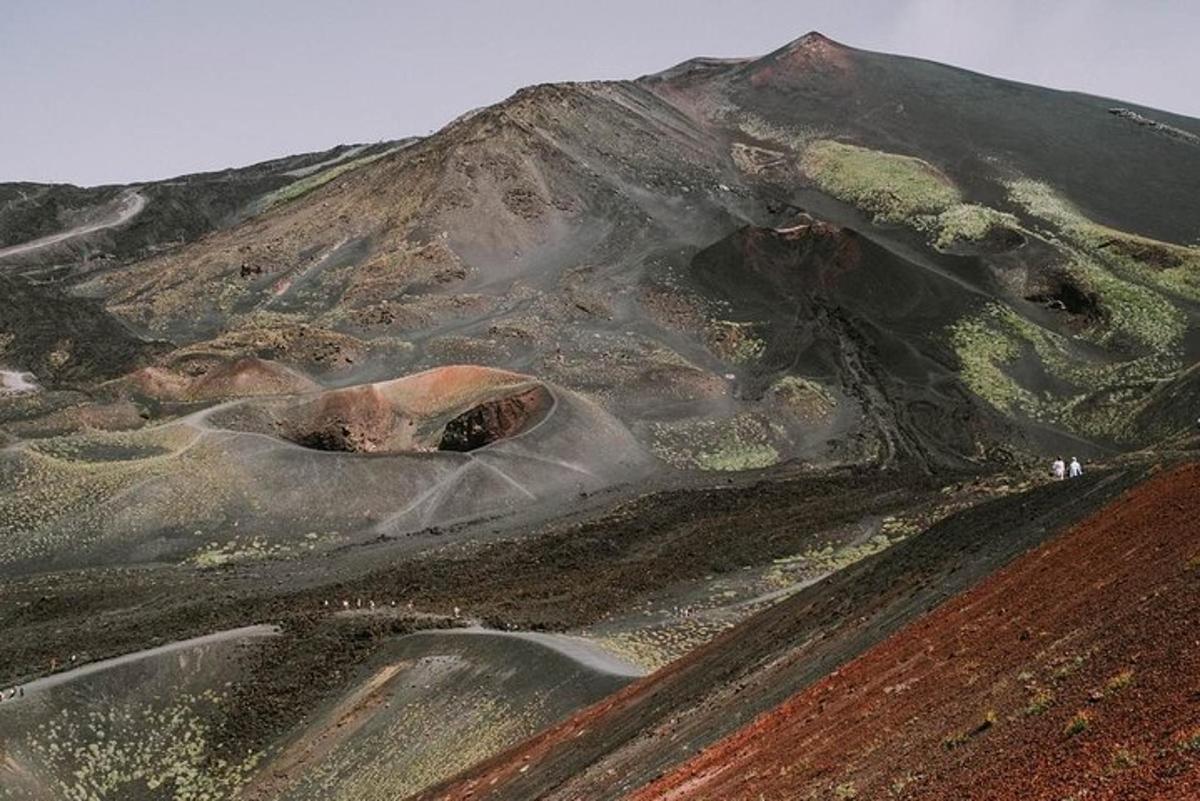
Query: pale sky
[(126, 90)]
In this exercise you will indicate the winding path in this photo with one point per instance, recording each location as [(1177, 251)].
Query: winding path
[(57, 679), (13, 382), (577, 649), (129, 205)]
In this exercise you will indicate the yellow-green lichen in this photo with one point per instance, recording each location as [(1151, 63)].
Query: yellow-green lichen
[(308, 183), (794, 138), (736, 342), (1134, 311), (743, 442), (121, 750), (807, 399), (892, 187), (967, 222), (984, 349), (1164, 265), (1095, 396), (829, 558), (901, 189)]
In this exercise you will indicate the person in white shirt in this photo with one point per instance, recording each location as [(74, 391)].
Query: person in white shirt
[(1076, 469), (1059, 469)]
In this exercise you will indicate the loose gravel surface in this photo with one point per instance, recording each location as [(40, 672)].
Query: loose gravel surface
[(1072, 673)]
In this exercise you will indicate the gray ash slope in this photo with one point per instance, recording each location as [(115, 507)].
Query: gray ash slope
[(967, 269)]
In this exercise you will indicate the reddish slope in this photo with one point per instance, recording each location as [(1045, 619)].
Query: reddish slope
[(627, 741), (1072, 673)]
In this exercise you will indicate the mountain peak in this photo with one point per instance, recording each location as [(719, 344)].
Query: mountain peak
[(811, 39)]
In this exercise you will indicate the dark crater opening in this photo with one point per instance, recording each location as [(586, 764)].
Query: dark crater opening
[(332, 436), (495, 420), (1066, 295), (1001, 239)]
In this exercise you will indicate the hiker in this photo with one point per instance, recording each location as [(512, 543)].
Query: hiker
[(1059, 469), (1076, 468)]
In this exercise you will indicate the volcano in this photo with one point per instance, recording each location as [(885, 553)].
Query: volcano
[(727, 392)]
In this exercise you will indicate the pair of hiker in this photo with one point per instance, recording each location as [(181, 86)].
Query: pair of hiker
[(1061, 470)]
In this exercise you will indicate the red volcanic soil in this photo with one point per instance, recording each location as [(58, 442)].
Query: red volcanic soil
[(811, 53), (1074, 672), (394, 416), (434, 391), (244, 377), (630, 739)]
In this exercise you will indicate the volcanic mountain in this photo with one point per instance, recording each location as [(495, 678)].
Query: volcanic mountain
[(951, 247), (745, 371)]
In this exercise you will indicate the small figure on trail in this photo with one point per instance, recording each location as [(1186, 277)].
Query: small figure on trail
[(1059, 469), (1076, 468)]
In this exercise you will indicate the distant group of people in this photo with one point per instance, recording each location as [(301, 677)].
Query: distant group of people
[(12, 692), (1060, 469), (369, 605), (360, 604)]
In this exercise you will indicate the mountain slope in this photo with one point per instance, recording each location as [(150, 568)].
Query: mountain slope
[(724, 365), (626, 741), (551, 233), (59, 223), (1069, 673)]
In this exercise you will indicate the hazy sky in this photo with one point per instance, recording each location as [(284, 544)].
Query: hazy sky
[(98, 91)]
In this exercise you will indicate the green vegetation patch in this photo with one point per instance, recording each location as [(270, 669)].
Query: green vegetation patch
[(735, 342), (1189, 742), (985, 345), (1081, 722), (892, 187), (1134, 311), (796, 139), (247, 548), (807, 399), (901, 189), (744, 442), (1163, 265), (967, 222), (115, 751), (308, 183), (1039, 703), (1100, 395), (827, 559)]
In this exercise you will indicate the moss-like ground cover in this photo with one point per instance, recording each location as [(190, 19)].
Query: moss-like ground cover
[(1164, 265), (902, 190), (308, 183), (893, 187)]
